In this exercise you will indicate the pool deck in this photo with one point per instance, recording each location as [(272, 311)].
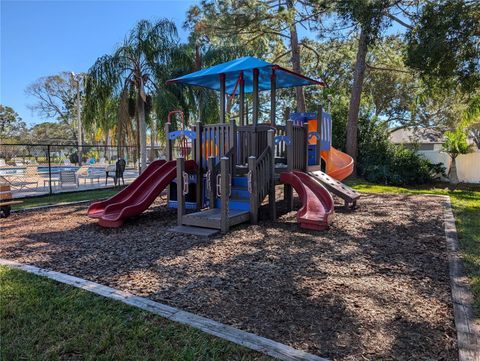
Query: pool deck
[(32, 184)]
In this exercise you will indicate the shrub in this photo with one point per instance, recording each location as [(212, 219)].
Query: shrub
[(380, 161)]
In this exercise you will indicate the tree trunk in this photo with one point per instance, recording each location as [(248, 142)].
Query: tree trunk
[(296, 65), (353, 110), (198, 58), (452, 172), (142, 132)]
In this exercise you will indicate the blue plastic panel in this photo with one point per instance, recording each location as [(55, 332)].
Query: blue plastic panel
[(303, 117), (326, 131)]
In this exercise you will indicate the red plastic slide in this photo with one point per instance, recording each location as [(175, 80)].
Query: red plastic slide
[(317, 208), (96, 209), (142, 195)]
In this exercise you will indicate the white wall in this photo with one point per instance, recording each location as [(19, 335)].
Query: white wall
[(468, 165)]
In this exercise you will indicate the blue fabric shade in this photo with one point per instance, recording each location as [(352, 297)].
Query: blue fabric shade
[(210, 78)]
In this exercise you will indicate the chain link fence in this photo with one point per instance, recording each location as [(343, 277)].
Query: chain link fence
[(36, 169)]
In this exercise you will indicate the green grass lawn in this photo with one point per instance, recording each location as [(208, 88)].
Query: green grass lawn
[(466, 207), (42, 319), (66, 197)]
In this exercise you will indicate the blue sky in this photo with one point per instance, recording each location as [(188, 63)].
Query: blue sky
[(40, 38)]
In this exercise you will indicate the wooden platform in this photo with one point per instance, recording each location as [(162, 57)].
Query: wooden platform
[(195, 231), (211, 218)]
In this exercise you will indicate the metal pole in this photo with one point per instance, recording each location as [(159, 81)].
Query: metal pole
[(76, 78), (49, 170)]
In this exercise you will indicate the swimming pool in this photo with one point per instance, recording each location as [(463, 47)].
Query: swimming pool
[(12, 170), (42, 169), (56, 168)]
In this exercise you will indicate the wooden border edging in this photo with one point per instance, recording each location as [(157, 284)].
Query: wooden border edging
[(229, 333), (468, 332)]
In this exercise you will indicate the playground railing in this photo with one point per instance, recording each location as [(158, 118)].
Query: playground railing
[(281, 147), (218, 139), (214, 169), (261, 183), (297, 152), (252, 140)]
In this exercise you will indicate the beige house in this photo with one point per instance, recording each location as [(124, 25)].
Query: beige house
[(425, 139), (428, 143)]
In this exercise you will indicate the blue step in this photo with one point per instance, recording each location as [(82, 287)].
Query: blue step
[(234, 203), (240, 182), (241, 193)]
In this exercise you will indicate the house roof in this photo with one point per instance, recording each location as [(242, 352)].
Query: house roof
[(209, 78), (417, 135)]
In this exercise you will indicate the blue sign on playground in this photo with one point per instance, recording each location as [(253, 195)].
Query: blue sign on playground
[(283, 138), (179, 133), (326, 131), (303, 116)]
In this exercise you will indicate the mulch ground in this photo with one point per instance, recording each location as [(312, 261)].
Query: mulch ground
[(373, 287)]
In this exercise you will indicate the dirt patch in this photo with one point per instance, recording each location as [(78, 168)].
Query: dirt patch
[(375, 286)]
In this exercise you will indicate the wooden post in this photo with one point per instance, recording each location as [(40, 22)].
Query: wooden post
[(319, 131), (241, 112), (211, 182), (222, 98), (252, 165), (169, 142), (255, 97), (199, 160), (305, 149), (224, 194), (169, 154), (273, 97), (180, 196), (287, 189), (271, 180), (246, 113), (233, 144)]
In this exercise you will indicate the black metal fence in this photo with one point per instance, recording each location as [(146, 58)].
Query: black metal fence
[(36, 169)]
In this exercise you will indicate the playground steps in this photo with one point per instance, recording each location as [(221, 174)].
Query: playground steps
[(240, 196), (336, 187), (211, 218), (195, 231)]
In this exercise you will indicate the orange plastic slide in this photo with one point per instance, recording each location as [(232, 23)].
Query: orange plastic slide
[(339, 164)]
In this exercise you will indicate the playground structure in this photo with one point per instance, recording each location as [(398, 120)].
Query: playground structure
[(234, 165)]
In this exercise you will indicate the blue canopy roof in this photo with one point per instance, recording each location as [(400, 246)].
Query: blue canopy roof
[(209, 78)]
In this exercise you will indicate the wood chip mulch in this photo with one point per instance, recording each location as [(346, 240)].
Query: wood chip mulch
[(373, 287)]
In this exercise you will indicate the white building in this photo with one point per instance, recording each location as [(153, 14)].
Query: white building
[(429, 144)]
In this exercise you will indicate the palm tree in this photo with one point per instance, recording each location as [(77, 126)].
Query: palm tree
[(145, 53), (455, 144)]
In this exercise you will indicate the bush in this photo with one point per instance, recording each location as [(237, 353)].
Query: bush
[(380, 161)]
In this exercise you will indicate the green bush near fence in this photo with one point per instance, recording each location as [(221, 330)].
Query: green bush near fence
[(380, 161)]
